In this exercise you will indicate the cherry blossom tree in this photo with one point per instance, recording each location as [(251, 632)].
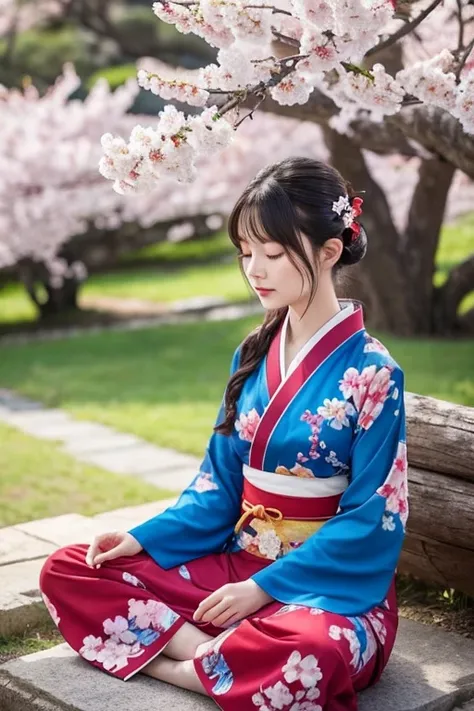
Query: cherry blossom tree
[(372, 74)]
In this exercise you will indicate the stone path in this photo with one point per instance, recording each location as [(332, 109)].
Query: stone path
[(25, 547), (186, 311), (99, 445)]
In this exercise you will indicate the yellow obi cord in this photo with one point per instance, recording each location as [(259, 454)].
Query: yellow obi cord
[(257, 511)]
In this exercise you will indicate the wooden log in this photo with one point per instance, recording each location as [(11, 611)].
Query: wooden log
[(441, 508), (437, 562), (440, 436), (439, 546)]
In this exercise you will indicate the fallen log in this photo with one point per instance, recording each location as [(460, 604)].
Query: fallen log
[(439, 546), (440, 436)]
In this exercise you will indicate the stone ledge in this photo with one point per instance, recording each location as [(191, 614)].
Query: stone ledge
[(430, 670), (24, 548)]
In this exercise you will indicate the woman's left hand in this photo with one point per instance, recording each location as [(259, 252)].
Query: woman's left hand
[(232, 603)]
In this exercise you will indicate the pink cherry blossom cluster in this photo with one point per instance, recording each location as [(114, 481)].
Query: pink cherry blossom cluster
[(170, 148), (434, 82), (330, 39)]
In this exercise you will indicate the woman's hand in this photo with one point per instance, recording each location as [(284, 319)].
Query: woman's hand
[(108, 546), (232, 603)]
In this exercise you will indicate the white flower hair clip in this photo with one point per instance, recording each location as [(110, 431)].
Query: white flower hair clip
[(348, 212)]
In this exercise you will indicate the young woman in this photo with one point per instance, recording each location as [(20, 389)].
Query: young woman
[(270, 583)]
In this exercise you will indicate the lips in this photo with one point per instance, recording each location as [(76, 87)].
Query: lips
[(262, 291)]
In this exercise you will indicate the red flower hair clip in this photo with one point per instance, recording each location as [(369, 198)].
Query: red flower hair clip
[(348, 211)]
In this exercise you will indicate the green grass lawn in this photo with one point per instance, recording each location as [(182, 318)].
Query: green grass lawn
[(38, 481), (172, 271), (159, 284), (165, 384)]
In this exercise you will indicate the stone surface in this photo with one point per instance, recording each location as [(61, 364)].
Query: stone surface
[(16, 545), (103, 443), (21, 607), (66, 430), (430, 670), (131, 516), (174, 480), (144, 458), (63, 530)]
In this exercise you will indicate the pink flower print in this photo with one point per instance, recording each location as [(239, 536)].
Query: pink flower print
[(91, 646), (372, 345), (315, 422), (279, 695), (115, 627), (305, 706), (133, 580), (247, 424), (301, 458), (51, 609), (305, 670), (377, 621), (336, 411), (354, 384), (302, 472), (395, 488), (377, 394), (204, 482), (114, 656), (151, 614)]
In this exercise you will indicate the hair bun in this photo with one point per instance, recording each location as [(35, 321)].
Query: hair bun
[(354, 249)]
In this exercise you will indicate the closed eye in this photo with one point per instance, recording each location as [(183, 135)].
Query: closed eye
[(275, 256)]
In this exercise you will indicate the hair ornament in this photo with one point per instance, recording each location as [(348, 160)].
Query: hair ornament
[(348, 211)]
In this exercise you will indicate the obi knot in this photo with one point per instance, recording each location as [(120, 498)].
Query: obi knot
[(257, 511)]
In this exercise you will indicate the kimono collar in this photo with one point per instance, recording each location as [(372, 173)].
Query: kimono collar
[(277, 373)]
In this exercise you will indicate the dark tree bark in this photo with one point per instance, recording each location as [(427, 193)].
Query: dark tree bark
[(60, 298), (395, 279)]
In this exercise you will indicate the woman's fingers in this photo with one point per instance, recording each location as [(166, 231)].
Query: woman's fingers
[(115, 552), (212, 607), (222, 619), (105, 542)]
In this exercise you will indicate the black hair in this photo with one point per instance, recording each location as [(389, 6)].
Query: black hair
[(284, 201)]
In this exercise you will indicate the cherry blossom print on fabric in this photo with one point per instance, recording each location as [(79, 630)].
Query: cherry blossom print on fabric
[(266, 543), (247, 424), (303, 675), (126, 637), (296, 470), (214, 664), (336, 412), (315, 422), (368, 390), (204, 482), (184, 572), (372, 345), (377, 620), (133, 580), (361, 641), (395, 490), (51, 609)]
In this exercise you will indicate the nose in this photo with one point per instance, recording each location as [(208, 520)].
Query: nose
[(255, 268)]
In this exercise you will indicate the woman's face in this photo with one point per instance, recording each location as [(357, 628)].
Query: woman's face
[(274, 278)]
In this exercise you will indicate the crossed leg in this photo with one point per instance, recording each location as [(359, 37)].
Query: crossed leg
[(175, 664)]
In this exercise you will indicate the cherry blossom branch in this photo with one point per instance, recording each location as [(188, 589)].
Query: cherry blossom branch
[(404, 30), (463, 60), (275, 10)]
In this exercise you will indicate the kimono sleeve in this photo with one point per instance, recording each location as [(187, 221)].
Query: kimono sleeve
[(348, 565), (203, 519)]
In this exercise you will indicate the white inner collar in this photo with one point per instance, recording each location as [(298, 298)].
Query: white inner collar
[(346, 310)]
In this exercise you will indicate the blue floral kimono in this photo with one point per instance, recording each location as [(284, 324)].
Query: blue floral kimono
[(336, 412)]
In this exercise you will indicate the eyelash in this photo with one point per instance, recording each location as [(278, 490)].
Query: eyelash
[(269, 256)]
